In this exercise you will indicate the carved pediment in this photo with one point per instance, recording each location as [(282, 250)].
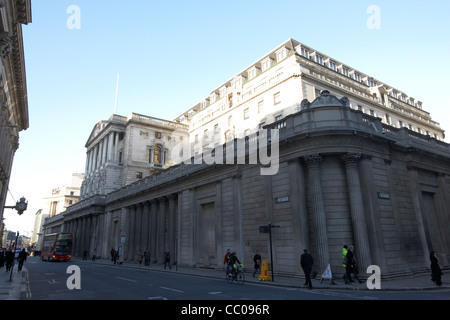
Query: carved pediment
[(325, 100)]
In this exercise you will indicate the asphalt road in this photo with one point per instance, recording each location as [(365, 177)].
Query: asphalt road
[(51, 281)]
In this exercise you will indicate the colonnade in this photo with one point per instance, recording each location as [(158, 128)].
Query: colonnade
[(103, 151), (146, 225)]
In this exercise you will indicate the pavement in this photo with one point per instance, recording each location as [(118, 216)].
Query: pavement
[(12, 284)]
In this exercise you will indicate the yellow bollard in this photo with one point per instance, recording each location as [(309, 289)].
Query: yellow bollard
[(265, 272)]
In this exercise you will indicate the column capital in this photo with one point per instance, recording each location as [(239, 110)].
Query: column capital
[(351, 158), (313, 160)]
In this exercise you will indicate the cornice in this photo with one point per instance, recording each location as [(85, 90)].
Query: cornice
[(12, 53)]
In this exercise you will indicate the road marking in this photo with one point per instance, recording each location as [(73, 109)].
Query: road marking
[(157, 298), (215, 292), (131, 280), (172, 289)]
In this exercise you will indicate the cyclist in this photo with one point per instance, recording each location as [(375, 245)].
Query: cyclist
[(232, 260)]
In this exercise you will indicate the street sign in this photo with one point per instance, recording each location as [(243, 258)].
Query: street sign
[(264, 229)]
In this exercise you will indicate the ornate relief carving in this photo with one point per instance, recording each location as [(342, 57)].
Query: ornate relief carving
[(313, 160), (5, 44), (325, 100), (351, 158)]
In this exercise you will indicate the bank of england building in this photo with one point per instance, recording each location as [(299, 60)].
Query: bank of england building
[(347, 159)]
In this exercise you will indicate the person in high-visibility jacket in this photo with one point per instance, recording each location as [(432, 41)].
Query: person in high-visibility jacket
[(344, 263)]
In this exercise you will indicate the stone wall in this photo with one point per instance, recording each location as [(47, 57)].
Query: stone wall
[(339, 182)]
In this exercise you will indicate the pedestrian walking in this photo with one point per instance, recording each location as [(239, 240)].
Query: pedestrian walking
[(9, 256), (85, 255), (113, 254), (351, 266), (2, 258), (257, 260), (21, 258), (140, 256), (167, 259), (344, 262), (306, 262), (436, 272), (93, 255), (147, 257)]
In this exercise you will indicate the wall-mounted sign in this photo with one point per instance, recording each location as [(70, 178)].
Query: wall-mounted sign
[(383, 195), (281, 199)]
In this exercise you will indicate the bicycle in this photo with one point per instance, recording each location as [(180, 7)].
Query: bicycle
[(236, 274)]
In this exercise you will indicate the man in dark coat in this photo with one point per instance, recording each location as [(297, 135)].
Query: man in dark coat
[(306, 261), (21, 258), (436, 272)]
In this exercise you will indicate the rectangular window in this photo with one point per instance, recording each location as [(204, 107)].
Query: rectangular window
[(304, 52), (276, 98), (319, 59), (246, 114), (260, 106), (332, 65)]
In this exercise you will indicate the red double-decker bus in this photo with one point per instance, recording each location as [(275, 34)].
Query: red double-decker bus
[(57, 247)]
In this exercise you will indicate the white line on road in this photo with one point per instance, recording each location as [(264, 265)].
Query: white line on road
[(172, 289), (126, 279)]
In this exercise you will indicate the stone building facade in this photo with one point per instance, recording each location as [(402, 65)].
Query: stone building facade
[(122, 150), (340, 181), (13, 88), (358, 162)]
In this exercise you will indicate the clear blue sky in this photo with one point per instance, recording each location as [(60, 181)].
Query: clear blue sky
[(172, 54)]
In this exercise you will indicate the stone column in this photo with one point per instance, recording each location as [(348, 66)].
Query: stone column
[(110, 152), (82, 246), (107, 245), (153, 229), (362, 246), (116, 148), (416, 195), (297, 197), (171, 225), (75, 237), (94, 232), (138, 228), (145, 226), (161, 232), (238, 217), (318, 211), (131, 233), (87, 240)]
